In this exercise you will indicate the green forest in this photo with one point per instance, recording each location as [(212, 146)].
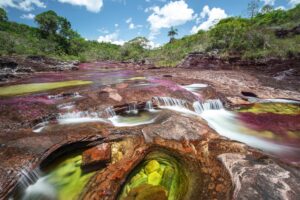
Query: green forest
[(268, 33)]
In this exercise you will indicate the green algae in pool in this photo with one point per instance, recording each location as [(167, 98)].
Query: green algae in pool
[(65, 180), (275, 108), (142, 117), (37, 87), (160, 176)]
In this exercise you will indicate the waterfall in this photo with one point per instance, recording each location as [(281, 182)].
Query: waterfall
[(149, 106), (171, 102), (29, 178), (110, 111), (131, 109), (212, 104), (79, 117)]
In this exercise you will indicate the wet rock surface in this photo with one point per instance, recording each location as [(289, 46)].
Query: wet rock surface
[(130, 113)]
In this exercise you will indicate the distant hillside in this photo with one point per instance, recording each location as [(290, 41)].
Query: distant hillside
[(274, 33)]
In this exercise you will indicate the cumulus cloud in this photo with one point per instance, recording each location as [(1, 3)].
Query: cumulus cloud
[(212, 16), (91, 5), (131, 25), (26, 5), (28, 16), (111, 38), (172, 14), (294, 2)]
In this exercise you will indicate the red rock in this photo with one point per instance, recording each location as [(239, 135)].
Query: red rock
[(98, 155)]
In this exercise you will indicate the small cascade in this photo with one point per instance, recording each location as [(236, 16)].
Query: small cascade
[(79, 117), (171, 102), (29, 178), (212, 104), (149, 106), (65, 95), (39, 127), (66, 106), (110, 112), (195, 87), (132, 109)]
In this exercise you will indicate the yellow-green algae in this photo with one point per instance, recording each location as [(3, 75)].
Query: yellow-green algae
[(37, 87), (68, 178), (160, 176), (276, 108)]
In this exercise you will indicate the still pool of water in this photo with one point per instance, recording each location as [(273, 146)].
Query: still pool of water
[(140, 118)]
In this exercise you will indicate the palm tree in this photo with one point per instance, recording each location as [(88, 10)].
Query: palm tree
[(172, 32)]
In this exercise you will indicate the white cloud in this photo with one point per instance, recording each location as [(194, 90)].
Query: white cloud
[(116, 25), (91, 5), (131, 26), (111, 38), (294, 2), (269, 2), (172, 14), (128, 20), (28, 16), (213, 16), (26, 5)]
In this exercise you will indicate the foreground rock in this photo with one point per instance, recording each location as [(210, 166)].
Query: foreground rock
[(253, 178)]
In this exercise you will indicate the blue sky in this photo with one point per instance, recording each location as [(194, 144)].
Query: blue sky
[(118, 21)]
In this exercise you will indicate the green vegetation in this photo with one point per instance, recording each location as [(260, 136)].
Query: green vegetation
[(3, 16), (36, 87), (160, 176), (250, 38)]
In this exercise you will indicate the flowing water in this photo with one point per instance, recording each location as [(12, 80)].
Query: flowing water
[(63, 179), (271, 125)]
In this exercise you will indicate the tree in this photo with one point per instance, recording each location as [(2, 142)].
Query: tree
[(172, 32), (253, 8), (266, 9), (3, 15), (48, 22)]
